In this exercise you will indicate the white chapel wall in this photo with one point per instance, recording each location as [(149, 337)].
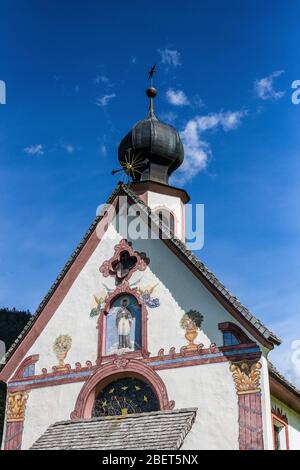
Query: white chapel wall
[(210, 388), (46, 406)]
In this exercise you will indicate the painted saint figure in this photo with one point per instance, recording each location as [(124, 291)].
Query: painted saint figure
[(123, 324)]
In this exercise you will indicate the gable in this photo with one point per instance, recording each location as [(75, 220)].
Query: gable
[(176, 283)]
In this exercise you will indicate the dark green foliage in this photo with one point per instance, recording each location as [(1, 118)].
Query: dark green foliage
[(12, 323)]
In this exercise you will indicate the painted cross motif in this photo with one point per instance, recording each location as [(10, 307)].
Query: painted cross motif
[(124, 262)]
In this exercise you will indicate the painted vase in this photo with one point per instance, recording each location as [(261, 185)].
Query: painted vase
[(191, 334), (61, 358)]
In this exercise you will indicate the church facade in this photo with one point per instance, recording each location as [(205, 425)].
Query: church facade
[(138, 345)]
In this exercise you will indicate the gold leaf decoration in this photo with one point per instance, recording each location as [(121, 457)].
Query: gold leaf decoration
[(246, 376), (16, 404)]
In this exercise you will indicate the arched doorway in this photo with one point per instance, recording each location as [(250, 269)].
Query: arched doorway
[(124, 396)]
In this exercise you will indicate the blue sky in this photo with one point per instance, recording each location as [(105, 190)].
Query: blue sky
[(76, 76)]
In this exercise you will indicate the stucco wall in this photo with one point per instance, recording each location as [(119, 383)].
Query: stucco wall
[(209, 388), (176, 287), (46, 406)]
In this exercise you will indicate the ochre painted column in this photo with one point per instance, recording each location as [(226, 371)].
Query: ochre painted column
[(246, 377), (16, 404)]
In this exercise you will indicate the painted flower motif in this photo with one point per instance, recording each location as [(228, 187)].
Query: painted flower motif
[(191, 320), (62, 344)]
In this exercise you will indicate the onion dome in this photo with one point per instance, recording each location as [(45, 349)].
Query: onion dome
[(152, 150)]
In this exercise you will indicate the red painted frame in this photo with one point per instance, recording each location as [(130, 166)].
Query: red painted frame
[(278, 416), (28, 361), (142, 261), (236, 331), (122, 289)]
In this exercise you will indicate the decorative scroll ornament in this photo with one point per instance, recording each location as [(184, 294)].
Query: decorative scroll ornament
[(246, 377), (16, 404), (124, 262)]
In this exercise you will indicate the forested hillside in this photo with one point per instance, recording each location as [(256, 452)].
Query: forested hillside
[(12, 323)]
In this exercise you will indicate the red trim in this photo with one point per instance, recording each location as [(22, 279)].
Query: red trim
[(107, 266), (119, 368), (72, 273), (161, 356), (13, 435), (212, 289), (250, 421), (213, 349), (277, 415), (57, 297), (280, 415), (143, 187), (236, 331), (21, 384), (218, 295), (121, 289), (28, 361)]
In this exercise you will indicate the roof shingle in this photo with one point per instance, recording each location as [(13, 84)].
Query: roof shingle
[(158, 430)]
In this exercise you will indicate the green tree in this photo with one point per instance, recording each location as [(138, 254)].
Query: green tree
[(12, 323)]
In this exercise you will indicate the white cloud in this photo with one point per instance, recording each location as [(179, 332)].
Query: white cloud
[(37, 149), (264, 87), (168, 117), (177, 97), (104, 100), (198, 102), (103, 150), (101, 79), (170, 57), (197, 150), (69, 148)]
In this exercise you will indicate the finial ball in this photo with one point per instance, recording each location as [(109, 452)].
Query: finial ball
[(151, 92)]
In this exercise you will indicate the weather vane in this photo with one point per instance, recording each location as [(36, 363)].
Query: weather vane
[(151, 73), (133, 163)]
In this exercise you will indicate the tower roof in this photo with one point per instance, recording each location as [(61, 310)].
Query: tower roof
[(151, 150)]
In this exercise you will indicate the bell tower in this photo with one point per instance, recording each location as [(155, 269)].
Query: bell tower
[(149, 154)]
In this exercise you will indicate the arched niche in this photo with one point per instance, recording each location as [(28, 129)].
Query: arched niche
[(129, 339), (124, 395), (120, 368)]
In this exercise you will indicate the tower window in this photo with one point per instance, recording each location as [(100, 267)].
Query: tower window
[(166, 218)]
